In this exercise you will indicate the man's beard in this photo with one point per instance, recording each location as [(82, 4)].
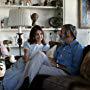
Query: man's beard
[(63, 37)]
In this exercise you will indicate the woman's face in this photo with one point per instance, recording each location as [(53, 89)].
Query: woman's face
[(39, 36)]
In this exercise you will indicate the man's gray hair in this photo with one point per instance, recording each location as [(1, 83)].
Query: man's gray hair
[(71, 28)]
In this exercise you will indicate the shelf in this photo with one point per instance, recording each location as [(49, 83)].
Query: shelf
[(30, 7), (14, 46), (16, 30), (45, 12)]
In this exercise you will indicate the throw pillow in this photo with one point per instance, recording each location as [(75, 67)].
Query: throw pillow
[(85, 67)]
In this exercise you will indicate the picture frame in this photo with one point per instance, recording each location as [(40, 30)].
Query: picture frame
[(84, 13)]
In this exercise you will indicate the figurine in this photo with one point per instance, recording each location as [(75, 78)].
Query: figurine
[(28, 2), (34, 18), (45, 2), (8, 2), (21, 2), (13, 2)]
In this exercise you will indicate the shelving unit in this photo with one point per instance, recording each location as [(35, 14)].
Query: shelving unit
[(27, 7), (26, 29), (40, 10), (44, 12)]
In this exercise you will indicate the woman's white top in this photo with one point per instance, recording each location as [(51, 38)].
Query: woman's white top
[(35, 48)]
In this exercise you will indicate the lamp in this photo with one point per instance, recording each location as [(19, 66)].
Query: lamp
[(19, 18)]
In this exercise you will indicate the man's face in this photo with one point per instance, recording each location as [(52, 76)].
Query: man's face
[(62, 34)]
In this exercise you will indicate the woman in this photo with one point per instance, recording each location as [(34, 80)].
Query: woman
[(35, 43), (14, 76)]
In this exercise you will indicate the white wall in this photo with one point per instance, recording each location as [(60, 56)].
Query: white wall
[(71, 16), (70, 11)]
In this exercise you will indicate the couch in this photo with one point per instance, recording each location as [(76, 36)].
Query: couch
[(80, 82)]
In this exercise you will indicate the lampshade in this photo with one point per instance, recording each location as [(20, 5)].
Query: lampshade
[(19, 17)]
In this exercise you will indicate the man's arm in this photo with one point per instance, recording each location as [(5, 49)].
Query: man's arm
[(52, 43)]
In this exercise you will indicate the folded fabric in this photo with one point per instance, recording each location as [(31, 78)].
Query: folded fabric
[(3, 49)]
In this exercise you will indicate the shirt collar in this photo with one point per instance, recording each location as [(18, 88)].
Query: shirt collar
[(71, 44)]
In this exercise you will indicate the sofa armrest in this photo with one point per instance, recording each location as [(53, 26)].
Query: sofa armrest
[(79, 86), (65, 83)]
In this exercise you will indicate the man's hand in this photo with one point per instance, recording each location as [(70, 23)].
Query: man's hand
[(52, 43), (53, 62)]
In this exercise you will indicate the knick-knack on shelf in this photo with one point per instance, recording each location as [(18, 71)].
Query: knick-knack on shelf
[(45, 2), (34, 18)]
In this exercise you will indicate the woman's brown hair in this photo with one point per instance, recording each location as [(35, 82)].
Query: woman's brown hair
[(32, 34)]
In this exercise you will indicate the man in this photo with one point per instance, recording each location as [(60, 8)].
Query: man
[(68, 55)]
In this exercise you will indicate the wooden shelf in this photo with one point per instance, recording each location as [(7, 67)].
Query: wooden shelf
[(30, 7), (16, 30)]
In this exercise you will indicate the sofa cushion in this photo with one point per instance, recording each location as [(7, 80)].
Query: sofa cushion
[(65, 83), (57, 83), (50, 52), (85, 67)]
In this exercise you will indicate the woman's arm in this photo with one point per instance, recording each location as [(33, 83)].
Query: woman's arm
[(26, 55)]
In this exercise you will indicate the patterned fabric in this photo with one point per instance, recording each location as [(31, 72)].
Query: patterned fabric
[(3, 49)]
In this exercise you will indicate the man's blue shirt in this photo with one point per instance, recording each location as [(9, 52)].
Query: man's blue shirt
[(70, 55)]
